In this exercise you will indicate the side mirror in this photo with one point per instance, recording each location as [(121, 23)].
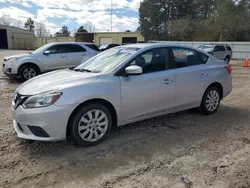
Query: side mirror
[(133, 70), (216, 50), (47, 52)]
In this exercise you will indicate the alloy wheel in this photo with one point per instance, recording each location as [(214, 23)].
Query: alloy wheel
[(93, 125), (212, 100), (29, 73)]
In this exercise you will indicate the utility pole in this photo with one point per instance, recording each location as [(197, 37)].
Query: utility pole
[(111, 14)]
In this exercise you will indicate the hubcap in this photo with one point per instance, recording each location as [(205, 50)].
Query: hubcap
[(93, 125), (212, 100), (29, 73)]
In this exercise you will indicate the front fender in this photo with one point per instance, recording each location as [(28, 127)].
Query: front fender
[(106, 89), (25, 60)]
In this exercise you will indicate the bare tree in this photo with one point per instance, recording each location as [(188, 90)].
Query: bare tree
[(7, 20), (41, 30), (91, 27)]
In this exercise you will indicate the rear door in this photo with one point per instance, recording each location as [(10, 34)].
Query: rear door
[(190, 75), (56, 58), (75, 55)]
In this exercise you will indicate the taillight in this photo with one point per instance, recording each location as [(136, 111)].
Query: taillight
[(229, 69)]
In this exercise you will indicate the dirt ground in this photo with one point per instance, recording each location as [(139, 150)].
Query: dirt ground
[(181, 150)]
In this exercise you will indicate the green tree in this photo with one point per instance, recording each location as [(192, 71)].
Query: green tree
[(81, 30), (30, 24), (65, 31)]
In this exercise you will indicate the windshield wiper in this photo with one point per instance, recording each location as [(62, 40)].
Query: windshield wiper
[(82, 70)]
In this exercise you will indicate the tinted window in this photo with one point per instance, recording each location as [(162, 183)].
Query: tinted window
[(186, 57), (93, 47), (58, 49), (229, 48), (75, 48), (204, 57), (152, 60), (219, 48)]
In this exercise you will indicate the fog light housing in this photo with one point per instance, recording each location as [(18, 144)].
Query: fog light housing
[(8, 70)]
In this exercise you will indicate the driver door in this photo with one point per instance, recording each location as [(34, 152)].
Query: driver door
[(152, 92), (56, 58)]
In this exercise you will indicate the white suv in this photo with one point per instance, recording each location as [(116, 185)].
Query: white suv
[(47, 58), (220, 51)]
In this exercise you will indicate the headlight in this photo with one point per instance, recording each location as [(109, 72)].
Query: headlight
[(42, 100), (12, 60)]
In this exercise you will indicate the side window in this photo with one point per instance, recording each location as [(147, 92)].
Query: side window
[(58, 49), (152, 60), (204, 57), (219, 48), (186, 57), (229, 48), (75, 48)]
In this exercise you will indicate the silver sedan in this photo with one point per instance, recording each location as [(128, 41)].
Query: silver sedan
[(117, 87)]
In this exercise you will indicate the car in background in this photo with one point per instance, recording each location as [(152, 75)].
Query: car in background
[(47, 58), (108, 46), (116, 87), (220, 51)]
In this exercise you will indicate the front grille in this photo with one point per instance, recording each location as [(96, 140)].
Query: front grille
[(18, 99)]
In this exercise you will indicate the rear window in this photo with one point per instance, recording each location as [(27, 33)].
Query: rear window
[(93, 47), (229, 48)]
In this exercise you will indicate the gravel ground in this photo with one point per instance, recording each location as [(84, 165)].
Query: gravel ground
[(181, 150)]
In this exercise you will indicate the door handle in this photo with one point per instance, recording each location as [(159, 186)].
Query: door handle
[(83, 54), (167, 81), (63, 56)]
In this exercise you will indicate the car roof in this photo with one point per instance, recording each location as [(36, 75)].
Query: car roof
[(156, 45), (71, 43)]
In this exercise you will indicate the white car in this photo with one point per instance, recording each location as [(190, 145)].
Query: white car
[(48, 58), (119, 86)]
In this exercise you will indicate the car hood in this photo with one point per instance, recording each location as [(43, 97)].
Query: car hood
[(17, 56), (56, 80), (208, 49)]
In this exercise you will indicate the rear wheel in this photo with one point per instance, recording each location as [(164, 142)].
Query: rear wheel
[(210, 101), (227, 59), (27, 72), (90, 125)]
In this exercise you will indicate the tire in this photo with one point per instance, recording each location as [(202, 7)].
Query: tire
[(82, 126), (215, 102), (227, 59), (27, 72)]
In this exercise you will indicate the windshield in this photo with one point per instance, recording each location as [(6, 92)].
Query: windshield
[(206, 46), (41, 49), (108, 60)]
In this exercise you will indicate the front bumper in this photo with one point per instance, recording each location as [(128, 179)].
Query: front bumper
[(8, 71), (42, 124)]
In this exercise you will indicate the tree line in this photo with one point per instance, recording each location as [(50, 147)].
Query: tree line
[(195, 20)]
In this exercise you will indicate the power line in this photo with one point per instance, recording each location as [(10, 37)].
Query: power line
[(111, 14)]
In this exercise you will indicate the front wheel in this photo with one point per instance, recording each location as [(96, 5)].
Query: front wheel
[(210, 101), (90, 125), (27, 72)]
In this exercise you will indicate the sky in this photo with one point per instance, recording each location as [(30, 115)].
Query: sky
[(75, 13)]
